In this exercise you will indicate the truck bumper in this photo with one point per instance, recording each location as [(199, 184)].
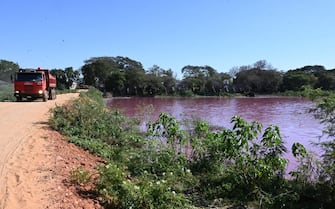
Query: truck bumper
[(28, 95)]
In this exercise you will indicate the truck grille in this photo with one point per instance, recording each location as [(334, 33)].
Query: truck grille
[(28, 89)]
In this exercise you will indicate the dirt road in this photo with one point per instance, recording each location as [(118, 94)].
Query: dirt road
[(24, 154)]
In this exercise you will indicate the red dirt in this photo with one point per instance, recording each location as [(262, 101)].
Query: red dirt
[(36, 162)]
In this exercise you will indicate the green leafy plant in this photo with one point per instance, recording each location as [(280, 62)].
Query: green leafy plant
[(167, 128), (237, 164), (80, 176), (119, 190)]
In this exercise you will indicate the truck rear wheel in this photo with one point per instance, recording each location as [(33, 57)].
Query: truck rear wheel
[(45, 96), (52, 94)]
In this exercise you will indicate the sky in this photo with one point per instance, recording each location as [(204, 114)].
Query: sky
[(223, 34)]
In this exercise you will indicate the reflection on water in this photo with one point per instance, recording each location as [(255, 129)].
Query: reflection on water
[(289, 113)]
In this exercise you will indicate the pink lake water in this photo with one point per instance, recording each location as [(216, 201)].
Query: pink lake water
[(288, 113)]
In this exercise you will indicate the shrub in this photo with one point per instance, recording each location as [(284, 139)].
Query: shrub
[(87, 117), (235, 164), (119, 190), (80, 176)]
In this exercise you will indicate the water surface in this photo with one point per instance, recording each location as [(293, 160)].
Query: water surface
[(288, 113)]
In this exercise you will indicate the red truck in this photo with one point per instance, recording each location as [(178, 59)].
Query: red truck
[(34, 83)]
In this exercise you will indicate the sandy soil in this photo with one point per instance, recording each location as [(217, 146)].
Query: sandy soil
[(35, 161)]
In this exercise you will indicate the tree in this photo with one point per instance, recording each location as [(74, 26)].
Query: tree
[(72, 75), (299, 78), (134, 81), (197, 78), (96, 71), (101, 71), (134, 74), (169, 81), (116, 83), (198, 71), (65, 78), (326, 79), (260, 78), (7, 70), (61, 78), (152, 85), (262, 65), (271, 81), (164, 81), (88, 74)]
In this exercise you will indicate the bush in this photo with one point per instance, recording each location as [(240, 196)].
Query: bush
[(119, 190), (80, 176), (87, 117)]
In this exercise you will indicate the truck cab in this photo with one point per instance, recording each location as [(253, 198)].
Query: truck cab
[(33, 84)]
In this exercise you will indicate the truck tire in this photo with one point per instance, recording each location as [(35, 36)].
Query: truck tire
[(19, 99), (52, 94), (45, 96)]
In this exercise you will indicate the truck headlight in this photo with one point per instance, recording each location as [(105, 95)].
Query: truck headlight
[(40, 92), (17, 92)]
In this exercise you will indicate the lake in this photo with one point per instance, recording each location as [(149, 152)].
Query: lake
[(288, 113)]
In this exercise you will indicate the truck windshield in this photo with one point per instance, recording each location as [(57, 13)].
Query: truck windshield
[(28, 76)]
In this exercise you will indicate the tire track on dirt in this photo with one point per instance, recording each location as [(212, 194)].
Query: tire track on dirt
[(20, 126)]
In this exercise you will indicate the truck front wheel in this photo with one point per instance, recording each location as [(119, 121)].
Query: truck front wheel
[(19, 99)]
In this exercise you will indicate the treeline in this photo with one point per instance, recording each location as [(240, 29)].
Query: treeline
[(123, 76)]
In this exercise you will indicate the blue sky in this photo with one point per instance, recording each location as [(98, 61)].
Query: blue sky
[(169, 33)]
